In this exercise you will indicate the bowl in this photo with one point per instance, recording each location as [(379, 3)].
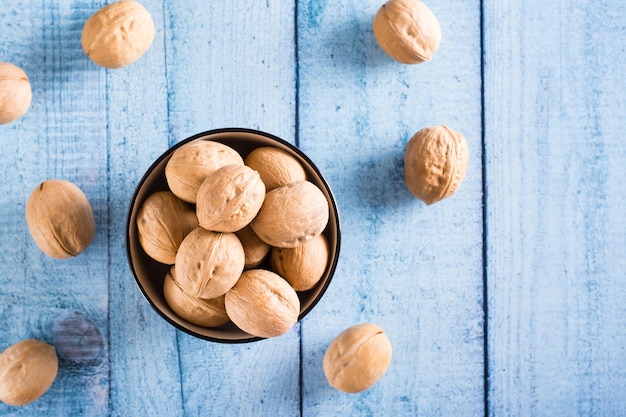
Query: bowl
[(149, 274)]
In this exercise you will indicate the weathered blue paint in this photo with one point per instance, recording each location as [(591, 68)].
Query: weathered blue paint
[(555, 156), (145, 374), (238, 70), (414, 270), (552, 78), (57, 138)]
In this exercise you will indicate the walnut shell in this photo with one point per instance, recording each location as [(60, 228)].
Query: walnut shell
[(15, 92), (199, 311), (193, 162), (27, 369), (262, 304), (357, 358), (276, 166), (229, 198), (304, 265), (60, 218), (291, 215), (163, 221), (407, 30), (254, 249), (209, 263), (435, 163), (118, 34)]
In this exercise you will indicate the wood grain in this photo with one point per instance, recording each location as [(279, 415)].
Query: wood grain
[(232, 65), (145, 372), (414, 270), (555, 165), (310, 72), (57, 138)]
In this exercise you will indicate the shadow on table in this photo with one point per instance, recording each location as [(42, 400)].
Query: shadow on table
[(379, 181), (353, 45)]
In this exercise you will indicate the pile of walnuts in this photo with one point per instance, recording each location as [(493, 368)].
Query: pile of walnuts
[(242, 236)]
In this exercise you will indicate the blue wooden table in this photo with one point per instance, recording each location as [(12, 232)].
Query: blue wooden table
[(508, 298)]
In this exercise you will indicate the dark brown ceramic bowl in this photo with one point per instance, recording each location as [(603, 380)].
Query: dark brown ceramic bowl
[(150, 274)]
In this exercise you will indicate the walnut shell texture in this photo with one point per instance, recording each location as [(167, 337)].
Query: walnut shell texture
[(435, 163), (118, 34), (229, 198), (407, 30), (60, 218), (193, 162), (357, 358), (15, 92), (27, 369), (199, 311), (276, 166), (255, 250), (208, 263), (163, 221), (262, 304), (291, 215), (304, 265)]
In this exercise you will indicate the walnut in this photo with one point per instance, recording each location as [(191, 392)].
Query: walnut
[(193, 162), (60, 218), (262, 304), (15, 92), (304, 265), (435, 163), (27, 370), (255, 249), (229, 198), (276, 166), (163, 221), (291, 215), (199, 311), (118, 34), (407, 31), (209, 263), (357, 358)]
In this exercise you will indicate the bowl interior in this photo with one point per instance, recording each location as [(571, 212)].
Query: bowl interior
[(150, 274)]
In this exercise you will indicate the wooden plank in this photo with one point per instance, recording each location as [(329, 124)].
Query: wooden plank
[(555, 168), (414, 270), (145, 373), (232, 65), (60, 137)]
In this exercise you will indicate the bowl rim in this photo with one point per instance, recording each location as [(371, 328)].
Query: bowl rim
[(332, 201)]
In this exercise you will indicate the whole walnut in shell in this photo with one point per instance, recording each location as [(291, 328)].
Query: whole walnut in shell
[(209, 263), (291, 215), (254, 249), (199, 311), (193, 162), (407, 30), (118, 34), (304, 265), (357, 358), (435, 163), (15, 92), (275, 166), (229, 198), (27, 369), (262, 304), (163, 221), (60, 218)]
